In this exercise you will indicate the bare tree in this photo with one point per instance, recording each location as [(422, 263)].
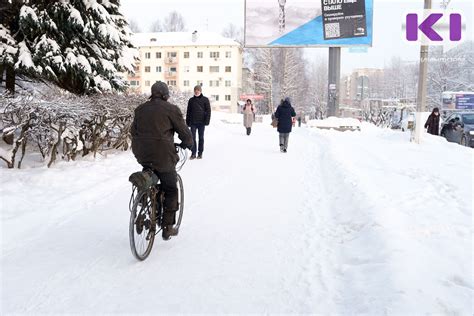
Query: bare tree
[(134, 26), (174, 22), (231, 31), (156, 26), (263, 64)]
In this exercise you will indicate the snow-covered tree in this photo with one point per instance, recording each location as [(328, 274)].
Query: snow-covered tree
[(290, 75), (317, 93), (450, 71), (80, 45), (263, 66), (134, 27), (231, 31), (174, 22), (156, 26)]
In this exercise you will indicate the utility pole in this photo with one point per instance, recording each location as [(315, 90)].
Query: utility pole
[(422, 85), (334, 78)]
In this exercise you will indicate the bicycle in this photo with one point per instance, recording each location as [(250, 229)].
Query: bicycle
[(146, 207)]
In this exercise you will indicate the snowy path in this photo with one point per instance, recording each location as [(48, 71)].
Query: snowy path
[(344, 223)]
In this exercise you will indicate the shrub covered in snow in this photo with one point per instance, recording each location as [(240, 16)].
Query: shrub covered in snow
[(65, 126)]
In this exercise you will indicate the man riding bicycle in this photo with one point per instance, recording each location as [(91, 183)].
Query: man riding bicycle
[(152, 130)]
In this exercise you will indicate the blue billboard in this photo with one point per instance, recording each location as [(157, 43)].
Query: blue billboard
[(321, 23), (465, 101)]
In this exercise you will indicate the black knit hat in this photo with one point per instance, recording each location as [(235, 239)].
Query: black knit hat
[(160, 90)]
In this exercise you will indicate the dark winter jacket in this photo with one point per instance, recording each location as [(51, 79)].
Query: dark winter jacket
[(284, 114), (153, 129), (199, 111), (432, 124)]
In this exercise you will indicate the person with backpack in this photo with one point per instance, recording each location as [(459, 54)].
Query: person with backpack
[(153, 128), (284, 114), (249, 115), (198, 116)]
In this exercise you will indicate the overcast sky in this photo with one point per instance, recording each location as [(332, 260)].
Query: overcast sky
[(214, 15)]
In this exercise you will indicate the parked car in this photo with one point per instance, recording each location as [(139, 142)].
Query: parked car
[(459, 128)]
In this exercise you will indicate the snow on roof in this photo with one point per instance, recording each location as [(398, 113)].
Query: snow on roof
[(181, 39)]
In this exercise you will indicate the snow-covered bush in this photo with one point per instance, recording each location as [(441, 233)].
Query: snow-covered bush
[(65, 125)]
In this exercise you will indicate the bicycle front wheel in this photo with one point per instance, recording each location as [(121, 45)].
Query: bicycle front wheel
[(142, 225)]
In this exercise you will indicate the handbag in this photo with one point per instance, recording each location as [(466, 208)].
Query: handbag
[(275, 122)]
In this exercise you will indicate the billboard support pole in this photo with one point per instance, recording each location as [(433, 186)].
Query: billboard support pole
[(334, 78), (422, 84)]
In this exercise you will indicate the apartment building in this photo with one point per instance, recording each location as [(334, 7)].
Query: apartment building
[(184, 60)]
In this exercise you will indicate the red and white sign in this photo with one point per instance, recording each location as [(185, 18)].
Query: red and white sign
[(252, 97)]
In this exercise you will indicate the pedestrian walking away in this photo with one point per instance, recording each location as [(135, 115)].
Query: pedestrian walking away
[(153, 128), (285, 114), (432, 123), (198, 116), (299, 121), (249, 115)]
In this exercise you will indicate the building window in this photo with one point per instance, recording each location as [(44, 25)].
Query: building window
[(158, 68), (134, 82), (228, 83), (147, 83), (186, 83), (199, 68), (136, 68), (215, 97), (200, 54), (172, 54), (214, 69), (186, 68), (172, 69), (147, 69), (186, 54), (227, 97), (228, 69), (228, 54), (214, 54), (158, 54), (214, 83), (147, 55), (199, 83), (171, 82)]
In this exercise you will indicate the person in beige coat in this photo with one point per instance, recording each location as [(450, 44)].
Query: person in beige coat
[(249, 115)]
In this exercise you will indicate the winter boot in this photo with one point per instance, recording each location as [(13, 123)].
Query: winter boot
[(199, 156), (168, 232), (192, 157)]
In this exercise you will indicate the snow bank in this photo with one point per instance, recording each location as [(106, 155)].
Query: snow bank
[(336, 123)]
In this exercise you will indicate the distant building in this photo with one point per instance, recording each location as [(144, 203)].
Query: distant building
[(184, 60), (361, 85)]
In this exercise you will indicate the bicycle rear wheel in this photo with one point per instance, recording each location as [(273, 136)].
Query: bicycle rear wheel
[(142, 225), (179, 215)]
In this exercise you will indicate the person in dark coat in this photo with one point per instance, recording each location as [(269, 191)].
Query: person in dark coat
[(152, 130), (299, 121), (285, 114), (198, 116), (432, 123)]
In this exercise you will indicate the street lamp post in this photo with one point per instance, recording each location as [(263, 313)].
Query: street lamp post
[(281, 18)]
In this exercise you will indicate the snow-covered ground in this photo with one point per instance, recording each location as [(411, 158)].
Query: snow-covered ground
[(344, 223)]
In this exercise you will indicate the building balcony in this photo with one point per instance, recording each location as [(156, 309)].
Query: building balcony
[(171, 60), (171, 74)]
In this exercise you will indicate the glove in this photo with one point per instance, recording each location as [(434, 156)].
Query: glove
[(182, 145)]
